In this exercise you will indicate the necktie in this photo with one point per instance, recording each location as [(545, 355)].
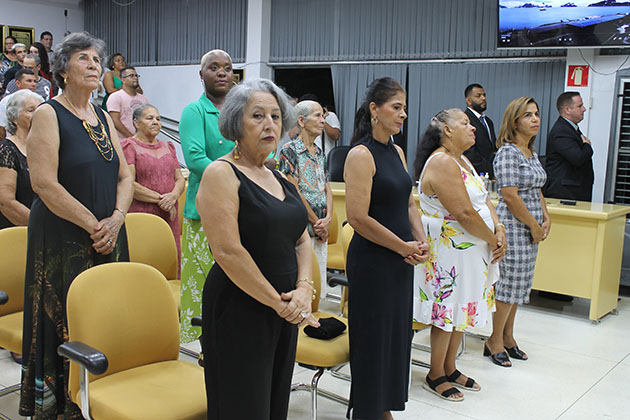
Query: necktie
[(483, 121)]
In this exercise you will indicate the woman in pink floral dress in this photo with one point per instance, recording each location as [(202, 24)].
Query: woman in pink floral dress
[(453, 289), (158, 180)]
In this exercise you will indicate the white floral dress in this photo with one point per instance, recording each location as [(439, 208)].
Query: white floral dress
[(454, 290)]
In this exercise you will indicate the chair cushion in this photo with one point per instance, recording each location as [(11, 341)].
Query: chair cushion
[(167, 390), (11, 332), (176, 288), (335, 259), (323, 353)]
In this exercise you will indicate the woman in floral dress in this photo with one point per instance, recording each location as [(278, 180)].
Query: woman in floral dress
[(454, 287)]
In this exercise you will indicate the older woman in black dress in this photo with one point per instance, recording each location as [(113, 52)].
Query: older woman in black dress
[(388, 242), (16, 194), (260, 288), (76, 220)]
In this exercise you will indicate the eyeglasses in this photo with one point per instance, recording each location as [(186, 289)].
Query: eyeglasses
[(137, 76)]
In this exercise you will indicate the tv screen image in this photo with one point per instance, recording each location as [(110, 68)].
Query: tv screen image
[(563, 23)]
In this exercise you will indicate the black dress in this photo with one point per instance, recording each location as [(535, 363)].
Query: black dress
[(249, 351), (57, 252), (12, 158), (380, 295)]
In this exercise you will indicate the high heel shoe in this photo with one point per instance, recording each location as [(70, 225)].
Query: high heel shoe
[(498, 359), (516, 353)]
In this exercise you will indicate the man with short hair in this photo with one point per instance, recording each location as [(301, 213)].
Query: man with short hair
[(569, 160), (44, 88), (46, 39), (25, 79), (481, 154), (20, 53), (121, 104)]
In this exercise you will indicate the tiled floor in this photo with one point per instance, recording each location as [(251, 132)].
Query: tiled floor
[(577, 370)]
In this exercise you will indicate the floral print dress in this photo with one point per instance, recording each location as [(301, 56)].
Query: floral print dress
[(454, 290)]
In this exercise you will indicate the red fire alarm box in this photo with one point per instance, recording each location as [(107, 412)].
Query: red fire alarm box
[(578, 76)]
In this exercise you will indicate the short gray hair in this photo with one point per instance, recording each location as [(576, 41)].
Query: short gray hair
[(231, 119), (36, 58), (304, 108), (16, 103), (17, 45), (76, 41), (138, 111), (206, 56)]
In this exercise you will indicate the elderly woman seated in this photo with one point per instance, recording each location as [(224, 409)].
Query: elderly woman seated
[(16, 194), (158, 180)]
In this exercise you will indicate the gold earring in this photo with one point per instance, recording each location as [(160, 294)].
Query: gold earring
[(374, 120), (236, 153), (65, 80)]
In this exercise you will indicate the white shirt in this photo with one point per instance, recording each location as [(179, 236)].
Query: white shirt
[(478, 115), (333, 121)]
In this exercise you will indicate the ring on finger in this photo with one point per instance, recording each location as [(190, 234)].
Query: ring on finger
[(303, 314), (109, 242)]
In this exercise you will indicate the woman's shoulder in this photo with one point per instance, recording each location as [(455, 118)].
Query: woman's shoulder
[(508, 151)]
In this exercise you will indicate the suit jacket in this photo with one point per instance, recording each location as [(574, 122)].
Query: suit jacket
[(569, 164), (482, 153)]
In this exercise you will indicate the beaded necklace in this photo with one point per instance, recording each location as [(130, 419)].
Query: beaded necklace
[(100, 139)]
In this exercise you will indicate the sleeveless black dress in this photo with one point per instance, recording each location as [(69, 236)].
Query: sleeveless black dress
[(12, 158), (380, 295), (58, 251), (249, 351)]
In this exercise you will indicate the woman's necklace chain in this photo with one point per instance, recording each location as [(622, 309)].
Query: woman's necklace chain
[(100, 139)]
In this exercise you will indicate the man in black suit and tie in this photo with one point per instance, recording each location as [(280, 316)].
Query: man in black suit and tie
[(482, 153), (569, 161)]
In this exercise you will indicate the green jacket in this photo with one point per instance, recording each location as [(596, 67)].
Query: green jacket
[(201, 144)]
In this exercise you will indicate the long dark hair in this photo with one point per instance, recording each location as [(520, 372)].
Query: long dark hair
[(431, 139), (43, 57), (379, 92)]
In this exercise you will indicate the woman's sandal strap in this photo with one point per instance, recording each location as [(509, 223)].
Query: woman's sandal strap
[(450, 392), (453, 377)]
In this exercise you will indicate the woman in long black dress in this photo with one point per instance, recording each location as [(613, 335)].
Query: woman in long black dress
[(387, 243), (76, 220), (260, 287)]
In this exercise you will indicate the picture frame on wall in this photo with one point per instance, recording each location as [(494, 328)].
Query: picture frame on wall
[(23, 34), (239, 75)]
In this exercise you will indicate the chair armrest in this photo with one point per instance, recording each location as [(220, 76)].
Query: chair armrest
[(91, 359), (4, 298), (338, 280), (196, 321)]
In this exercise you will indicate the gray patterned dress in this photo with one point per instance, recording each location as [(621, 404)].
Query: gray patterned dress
[(513, 169)]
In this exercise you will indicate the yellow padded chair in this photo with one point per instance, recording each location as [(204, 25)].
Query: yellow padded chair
[(321, 354), (12, 267), (151, 242), (336, 259), (122, 327)]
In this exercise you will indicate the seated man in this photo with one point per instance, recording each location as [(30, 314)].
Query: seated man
[(44, 88)]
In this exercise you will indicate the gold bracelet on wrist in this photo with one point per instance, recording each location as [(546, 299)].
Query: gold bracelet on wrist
[(499, 225), (310, 283), (121, 212)]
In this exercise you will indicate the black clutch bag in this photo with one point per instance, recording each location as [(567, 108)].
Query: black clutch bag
[(329, 328)]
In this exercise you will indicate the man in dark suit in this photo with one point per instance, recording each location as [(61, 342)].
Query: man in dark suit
[(482, 153), (569, 161)]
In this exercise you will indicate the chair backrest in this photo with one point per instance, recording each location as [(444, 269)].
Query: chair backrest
[(317, 283), (333, 229), (12, 267), (125, 310), (151, 242), (336, 161), (346, 236)]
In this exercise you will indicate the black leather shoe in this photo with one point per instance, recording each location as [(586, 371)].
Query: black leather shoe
[(516, 353), (498, 359)]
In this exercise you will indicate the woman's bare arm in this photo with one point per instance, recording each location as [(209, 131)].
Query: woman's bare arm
[(16, 212)]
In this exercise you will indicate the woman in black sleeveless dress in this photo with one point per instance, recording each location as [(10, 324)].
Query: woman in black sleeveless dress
[(387, 243), (76, 219), (259, 290)]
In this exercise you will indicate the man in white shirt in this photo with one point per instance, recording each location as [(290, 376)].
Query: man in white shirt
[(121, 104), (332, 131)]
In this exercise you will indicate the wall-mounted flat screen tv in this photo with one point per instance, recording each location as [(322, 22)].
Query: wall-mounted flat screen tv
[(563, 23)]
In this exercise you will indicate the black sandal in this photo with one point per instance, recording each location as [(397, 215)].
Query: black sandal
[(470, 382), (516, 353), (498, 358), (431, 386)]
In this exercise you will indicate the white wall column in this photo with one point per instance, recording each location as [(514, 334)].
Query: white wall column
[(258, 39)]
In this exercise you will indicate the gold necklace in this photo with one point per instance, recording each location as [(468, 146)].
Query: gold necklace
[(100, 139)]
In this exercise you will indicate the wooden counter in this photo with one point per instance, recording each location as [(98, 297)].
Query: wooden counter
[(581, 257)]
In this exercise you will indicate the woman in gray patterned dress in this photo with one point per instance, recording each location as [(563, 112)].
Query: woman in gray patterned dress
[(522, 209)]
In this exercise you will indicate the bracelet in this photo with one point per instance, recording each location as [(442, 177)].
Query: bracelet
[(121, 212), (499, 225), (310, 282)]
